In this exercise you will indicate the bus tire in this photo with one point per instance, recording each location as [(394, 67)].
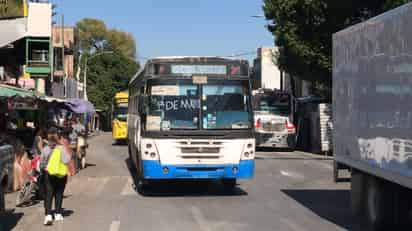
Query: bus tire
[(379, 204), (142, 186), (229, 184)]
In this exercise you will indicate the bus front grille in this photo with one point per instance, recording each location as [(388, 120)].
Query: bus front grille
[(200, 150)]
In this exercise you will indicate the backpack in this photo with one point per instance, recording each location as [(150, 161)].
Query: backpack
[(55, 166)]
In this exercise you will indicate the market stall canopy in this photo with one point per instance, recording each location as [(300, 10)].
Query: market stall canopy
[(12, 30), (80, 106), (9, 91), (52, 99)]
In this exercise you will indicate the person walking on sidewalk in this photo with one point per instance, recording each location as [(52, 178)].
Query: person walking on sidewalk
[(54, 160)]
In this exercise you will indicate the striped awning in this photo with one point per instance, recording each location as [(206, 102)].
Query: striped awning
[(9, 91)]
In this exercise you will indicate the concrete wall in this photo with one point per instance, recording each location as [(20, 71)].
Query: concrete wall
[(39, 20), (270, 73)]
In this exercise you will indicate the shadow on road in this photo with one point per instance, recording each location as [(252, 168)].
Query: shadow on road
[(90, 165), (9, 220), (270, 150), (292, 158), (183, 188), (120, 143), (332, 205), (67, 212)]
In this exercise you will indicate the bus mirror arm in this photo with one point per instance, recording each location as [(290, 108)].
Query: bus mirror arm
[(143, 103)]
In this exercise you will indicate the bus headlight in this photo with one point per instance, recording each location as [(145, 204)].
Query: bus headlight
[(249, 151), (149, 150)]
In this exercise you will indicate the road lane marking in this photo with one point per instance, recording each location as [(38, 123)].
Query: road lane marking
[(291, 174), (128, 188), (115, 226), (200, 219), (292, 225)]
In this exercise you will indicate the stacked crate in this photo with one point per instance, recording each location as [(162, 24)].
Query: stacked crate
[(326, 127)]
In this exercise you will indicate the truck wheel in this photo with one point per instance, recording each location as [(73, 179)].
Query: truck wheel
[(2, 200), (379, 204), (358, 196), (403, 204), (335, 171)]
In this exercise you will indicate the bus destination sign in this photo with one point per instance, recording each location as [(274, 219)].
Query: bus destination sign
[(199, 69)]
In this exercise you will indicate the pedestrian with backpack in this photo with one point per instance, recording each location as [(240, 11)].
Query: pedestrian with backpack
[(54, 161)]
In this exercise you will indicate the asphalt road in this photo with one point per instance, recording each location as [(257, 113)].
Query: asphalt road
[(290, 192)]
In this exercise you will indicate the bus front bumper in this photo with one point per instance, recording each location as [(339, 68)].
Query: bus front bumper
[(155, 170)]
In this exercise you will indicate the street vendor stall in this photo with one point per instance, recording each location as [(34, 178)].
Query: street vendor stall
[(18, 120)]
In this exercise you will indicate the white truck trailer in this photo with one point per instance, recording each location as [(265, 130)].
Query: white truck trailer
[(372, 111)]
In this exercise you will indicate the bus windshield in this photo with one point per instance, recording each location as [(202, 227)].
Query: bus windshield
[(276, 104), (182, 105), (120, 113)]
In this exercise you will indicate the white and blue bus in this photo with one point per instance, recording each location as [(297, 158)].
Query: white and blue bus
[(191, 118)]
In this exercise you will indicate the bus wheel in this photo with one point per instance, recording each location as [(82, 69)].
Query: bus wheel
[(142, 186), (229, 184)]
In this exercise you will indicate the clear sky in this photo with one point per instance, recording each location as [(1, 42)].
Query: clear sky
[(179, 27)]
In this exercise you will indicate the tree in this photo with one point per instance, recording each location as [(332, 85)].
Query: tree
[(122, 41), (303, 30), (92, 34), (111, 72), (108, 74)]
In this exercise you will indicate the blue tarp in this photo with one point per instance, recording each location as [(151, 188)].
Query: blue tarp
[(80, 106)]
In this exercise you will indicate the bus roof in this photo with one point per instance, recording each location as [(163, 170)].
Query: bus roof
[(121, 95), (196, 59), (190, 59)]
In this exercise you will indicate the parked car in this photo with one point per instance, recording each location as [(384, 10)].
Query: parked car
[(6, 171)]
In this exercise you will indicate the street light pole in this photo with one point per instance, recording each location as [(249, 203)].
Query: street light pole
[(86, 60), (85, 80)]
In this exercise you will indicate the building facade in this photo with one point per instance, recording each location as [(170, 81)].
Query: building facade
[(25, 48), (266, 74), (34, 54), (65, 50)]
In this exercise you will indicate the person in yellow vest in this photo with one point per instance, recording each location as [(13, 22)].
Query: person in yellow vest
[(54, 163)]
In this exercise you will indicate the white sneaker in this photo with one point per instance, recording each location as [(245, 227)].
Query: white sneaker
[(58, 217), (48, 220)]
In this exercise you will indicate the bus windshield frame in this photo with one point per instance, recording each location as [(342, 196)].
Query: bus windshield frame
[(120, 112), (220, 104)]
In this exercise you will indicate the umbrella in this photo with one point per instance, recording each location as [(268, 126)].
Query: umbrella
[(80, 106)]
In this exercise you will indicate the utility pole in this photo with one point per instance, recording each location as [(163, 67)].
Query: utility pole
[(85, 79), (63, 64)]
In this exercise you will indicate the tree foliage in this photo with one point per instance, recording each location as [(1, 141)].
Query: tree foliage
[(108, 72), (94, 36), (303, 30)]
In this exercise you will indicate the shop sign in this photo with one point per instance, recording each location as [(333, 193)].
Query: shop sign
[(13, 9)]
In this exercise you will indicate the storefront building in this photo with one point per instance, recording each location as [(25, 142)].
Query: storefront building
[(25, 48)]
